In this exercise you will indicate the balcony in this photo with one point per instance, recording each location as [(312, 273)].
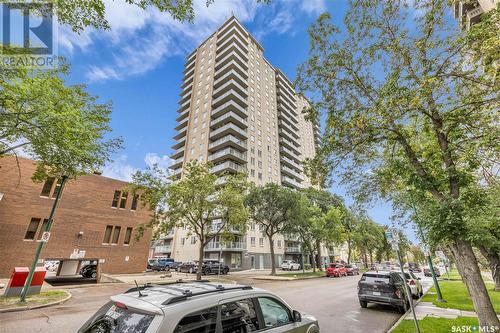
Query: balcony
[(163, 249), (230, 84), (232, 24), (184, 106), (233, 31), (230, 106), (228, 128), (183, 123), (289, 153), (182, 133), (177, 163), (289, 145), (292, 249), (180, 143), (182, 115), (291, 172), (229, 117), (231, 75), (291, 162), (231, 56), (189, 66), (291, 130), (287, 104), (189, 74), (228, 96), (287, 181), (187, 81), (221, 246), (177, 173), (232, 46), (286, 113), (473, 16), (228, 141), (191, 57), (178, 153), (287, 135), (228, 153), (187, 88), (168, 235), (228, 166), (231, 65)]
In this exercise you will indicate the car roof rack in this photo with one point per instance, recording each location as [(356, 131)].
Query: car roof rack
[(187, 293), (158, 284)]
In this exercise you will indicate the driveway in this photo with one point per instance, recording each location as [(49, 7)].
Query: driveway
[(332, 300)]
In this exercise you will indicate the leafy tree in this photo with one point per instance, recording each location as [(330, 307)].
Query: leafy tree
[(194, 202), (417, 254), (79, 14), (405, 102), (61, 126), (368, 237), (275, 209)]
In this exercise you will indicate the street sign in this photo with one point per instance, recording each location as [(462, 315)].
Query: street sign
[(45, 236), (392, 238), (425, 250)]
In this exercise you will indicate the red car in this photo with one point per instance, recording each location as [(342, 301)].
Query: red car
[(336, 270)]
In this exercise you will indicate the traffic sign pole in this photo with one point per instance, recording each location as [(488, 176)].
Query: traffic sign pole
[(408, 291), (27, 284)]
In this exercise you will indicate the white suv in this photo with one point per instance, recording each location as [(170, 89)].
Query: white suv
[(198, 307), (290, 265)]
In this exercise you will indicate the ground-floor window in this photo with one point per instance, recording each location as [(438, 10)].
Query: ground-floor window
[(235, 260)]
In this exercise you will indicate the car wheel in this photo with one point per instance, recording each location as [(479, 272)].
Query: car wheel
[(93, 275), (225, 271), (363, 304), (402, 309), (190, 270), (206, 271)]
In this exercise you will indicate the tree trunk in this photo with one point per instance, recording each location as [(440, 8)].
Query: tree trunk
[(273, 263), (371, 257), (494, 261), (201, 253), (365, 259), (469, 269), (318, 248), (313, 262)]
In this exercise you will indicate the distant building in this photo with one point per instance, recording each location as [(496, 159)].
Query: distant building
[(95, 220), (469, 12)]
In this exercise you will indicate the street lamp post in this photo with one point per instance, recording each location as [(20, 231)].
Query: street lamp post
[(27, 284)]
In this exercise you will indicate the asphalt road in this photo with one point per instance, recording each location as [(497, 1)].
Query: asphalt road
[(333, 301)]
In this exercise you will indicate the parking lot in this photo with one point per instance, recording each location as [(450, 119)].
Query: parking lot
[(333, 301)]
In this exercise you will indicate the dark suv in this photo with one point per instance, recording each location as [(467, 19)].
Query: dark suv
[(208, 267), (383, 287)]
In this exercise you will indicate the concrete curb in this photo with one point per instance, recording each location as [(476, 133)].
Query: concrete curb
[(25, 308), (284, 278)]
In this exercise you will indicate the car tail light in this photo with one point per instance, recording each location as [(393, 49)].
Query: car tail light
[(412, 282), (398, 293), (121, 305)]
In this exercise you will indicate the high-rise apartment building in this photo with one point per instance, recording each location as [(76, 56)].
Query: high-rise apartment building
[(240, 113), (469, 12)]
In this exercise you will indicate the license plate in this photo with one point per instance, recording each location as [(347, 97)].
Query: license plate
[(376, 293)]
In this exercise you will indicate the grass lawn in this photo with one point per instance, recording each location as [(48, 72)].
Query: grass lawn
[(456, 296), (299, 274), (34, 300), (454, 275), (435, 325)]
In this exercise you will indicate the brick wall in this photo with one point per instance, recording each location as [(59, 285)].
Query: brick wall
[(79, 224)]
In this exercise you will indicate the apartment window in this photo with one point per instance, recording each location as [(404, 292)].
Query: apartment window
[(260, 175), (279, 243), (183, 240), (260, 164), (42, 229), (252, 172), (128, 235), (116, 198), (47, 187), (252, 241), (193, 240), (116, 235), (123, 200), (107, 234), (252, 160), (57, 188), (252, 226), (259, 153), (135, 200), (32, 228), (261, 241)]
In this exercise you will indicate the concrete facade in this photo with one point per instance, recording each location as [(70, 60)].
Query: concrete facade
[(240, 113), (469, 12), (79, 230)]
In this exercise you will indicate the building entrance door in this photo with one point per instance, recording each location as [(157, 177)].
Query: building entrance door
[(252, 261), (261, 261)]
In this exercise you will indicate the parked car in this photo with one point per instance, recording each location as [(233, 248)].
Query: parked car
[(51, 265), (336, 270), (383, 287), (352, 269), (89, 271), (414, 267), (165, 264), (208, 267), (414, 283), (198, 307), (290, 265), (151, 263), (427, 272)]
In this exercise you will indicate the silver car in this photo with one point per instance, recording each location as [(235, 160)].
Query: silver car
[(198, 307)]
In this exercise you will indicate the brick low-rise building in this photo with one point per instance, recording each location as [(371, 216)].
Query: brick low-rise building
[(95, 220)]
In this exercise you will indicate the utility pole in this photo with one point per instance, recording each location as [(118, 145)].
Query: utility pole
[(44, 240), (427, 252)]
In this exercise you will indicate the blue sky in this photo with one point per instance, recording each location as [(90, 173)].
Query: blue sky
[(138, 66)]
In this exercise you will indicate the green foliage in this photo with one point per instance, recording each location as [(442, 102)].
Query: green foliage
[(61, 126), (436, 325), (80, 14)]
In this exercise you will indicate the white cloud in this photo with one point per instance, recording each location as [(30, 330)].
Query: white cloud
[(163, 161), (142, 39), (119, 169)]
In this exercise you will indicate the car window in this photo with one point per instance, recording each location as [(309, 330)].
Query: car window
[(274, 313), (375, 278), (203, 321), (113, 319), (239, 317)]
